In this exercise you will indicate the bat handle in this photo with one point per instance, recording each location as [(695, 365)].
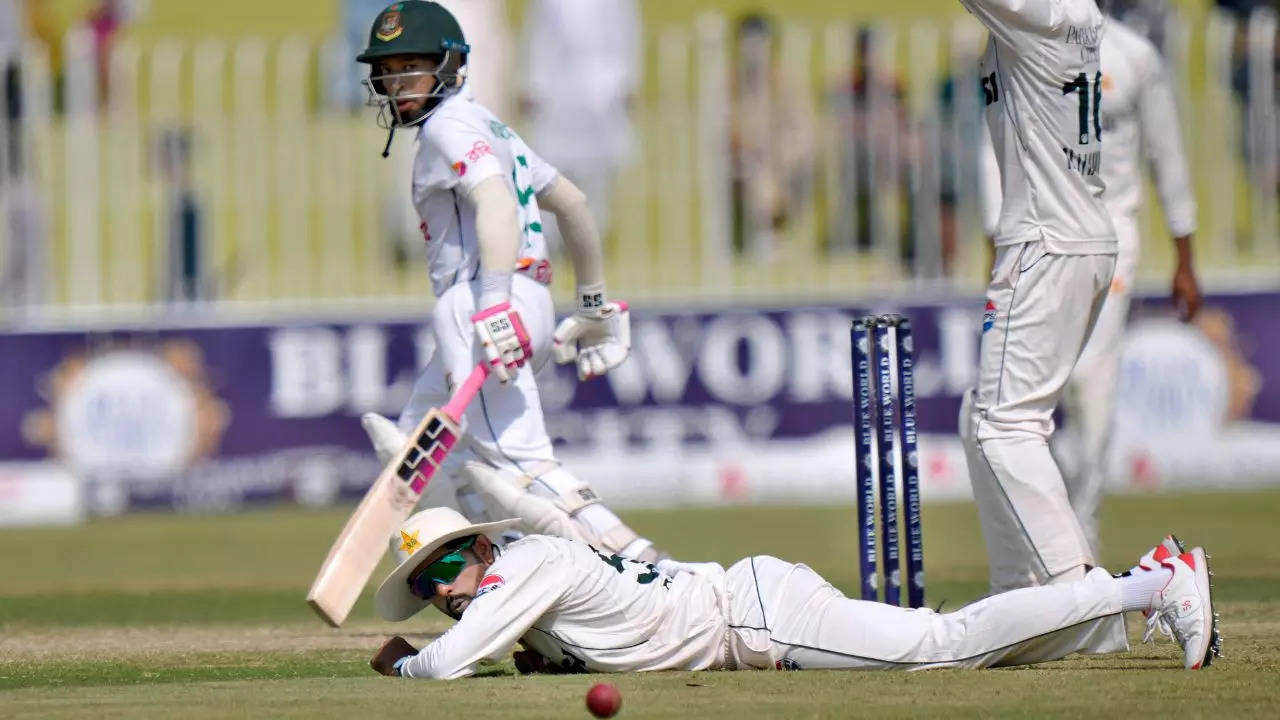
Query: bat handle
[(465, 394)]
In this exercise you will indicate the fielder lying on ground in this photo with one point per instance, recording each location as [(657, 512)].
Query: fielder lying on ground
[(575, 608)]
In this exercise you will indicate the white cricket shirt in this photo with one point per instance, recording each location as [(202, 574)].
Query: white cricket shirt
[(460, 145), (1042, 84), (1140, 118), (582, 609)]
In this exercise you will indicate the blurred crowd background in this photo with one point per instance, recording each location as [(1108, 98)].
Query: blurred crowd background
[(207, 271), (162, 151)]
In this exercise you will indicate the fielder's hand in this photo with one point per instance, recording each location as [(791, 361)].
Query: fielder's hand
[(505, 342), (392, 650), (597, 336)]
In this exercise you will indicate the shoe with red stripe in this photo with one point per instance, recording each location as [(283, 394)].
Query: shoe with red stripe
[(1185, 604), (1169, 547)]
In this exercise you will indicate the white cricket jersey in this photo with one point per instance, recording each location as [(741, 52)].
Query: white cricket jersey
[(582, 609), (1140, 117), (1041, 80), (460, 145)]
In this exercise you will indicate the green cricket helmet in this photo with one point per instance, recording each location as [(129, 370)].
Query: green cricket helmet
[(413, 27)]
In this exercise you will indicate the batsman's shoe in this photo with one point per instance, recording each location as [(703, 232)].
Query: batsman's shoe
[(1186, 605)]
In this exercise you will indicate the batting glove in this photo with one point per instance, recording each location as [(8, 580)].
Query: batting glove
[(503, 338), (597, 336)]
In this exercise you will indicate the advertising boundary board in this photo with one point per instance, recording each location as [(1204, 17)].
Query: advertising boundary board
[(716, 405)]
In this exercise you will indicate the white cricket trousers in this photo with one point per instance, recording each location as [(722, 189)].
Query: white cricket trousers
[(504, 425), (785, 616), (1090, 393), (1040, 310)]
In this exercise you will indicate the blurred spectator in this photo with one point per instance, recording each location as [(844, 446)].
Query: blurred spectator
[(582, 69), (1242, 8), (772, 141), (484, 22), (105, 21), (877, 154), (12, 35), (21, 226)]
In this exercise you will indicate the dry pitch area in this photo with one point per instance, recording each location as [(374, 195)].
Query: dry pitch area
[(166, 616)]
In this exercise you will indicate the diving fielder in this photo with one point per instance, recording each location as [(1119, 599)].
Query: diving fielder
[(480, 191), (1055, 256), (1139, 119), (577, 608)]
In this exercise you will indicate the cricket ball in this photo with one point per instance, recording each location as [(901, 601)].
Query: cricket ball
[(604, 700)]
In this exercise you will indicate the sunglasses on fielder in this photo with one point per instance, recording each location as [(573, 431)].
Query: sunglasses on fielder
[(443, 571)]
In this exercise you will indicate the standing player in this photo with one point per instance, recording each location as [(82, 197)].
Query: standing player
[(576, 609), (1055, 255), (479, 191), (1139, 117)]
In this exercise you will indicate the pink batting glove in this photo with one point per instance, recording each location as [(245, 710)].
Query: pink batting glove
[(502, 336)]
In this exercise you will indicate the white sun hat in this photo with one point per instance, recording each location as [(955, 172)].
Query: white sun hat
[(420, 535)]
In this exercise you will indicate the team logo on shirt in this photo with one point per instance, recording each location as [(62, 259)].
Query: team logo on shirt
[(390, 28), (459, 168), (989, 316), (490, 582), (479, 150)]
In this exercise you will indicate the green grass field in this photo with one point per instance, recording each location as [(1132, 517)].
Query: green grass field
[(186, 616)]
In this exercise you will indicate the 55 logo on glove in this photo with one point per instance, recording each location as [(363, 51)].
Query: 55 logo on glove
[(503, 339)]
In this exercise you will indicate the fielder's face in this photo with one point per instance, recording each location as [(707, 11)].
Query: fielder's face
[(453, 597)]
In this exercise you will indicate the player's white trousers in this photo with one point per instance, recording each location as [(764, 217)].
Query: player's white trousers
[(786, 616), (504, 426), (1041, 308), (1088, 400)]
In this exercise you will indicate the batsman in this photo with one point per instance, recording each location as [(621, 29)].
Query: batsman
[(480, 191)]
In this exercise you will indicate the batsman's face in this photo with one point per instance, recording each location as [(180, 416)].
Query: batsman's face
[(408, 81)]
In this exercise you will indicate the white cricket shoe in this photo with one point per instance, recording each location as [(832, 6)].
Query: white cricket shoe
[(1170, 546), (1185, 604)]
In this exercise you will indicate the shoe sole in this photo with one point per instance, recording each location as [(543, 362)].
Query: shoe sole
[(1204, 587)]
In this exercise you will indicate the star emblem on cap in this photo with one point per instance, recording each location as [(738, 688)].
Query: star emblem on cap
[(409, 541)]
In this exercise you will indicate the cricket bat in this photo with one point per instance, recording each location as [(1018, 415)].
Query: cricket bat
[(390, 500)]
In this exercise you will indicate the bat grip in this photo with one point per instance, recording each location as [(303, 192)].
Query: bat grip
[(465, 394)]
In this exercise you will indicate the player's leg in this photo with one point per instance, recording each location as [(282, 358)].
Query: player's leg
[(811, 625), (507, 434), (1044, 308), (1088, 398)]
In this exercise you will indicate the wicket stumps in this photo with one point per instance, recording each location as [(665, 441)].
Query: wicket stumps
[(885, 439)]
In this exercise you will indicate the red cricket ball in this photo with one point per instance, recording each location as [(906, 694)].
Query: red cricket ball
[(604, 700)]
